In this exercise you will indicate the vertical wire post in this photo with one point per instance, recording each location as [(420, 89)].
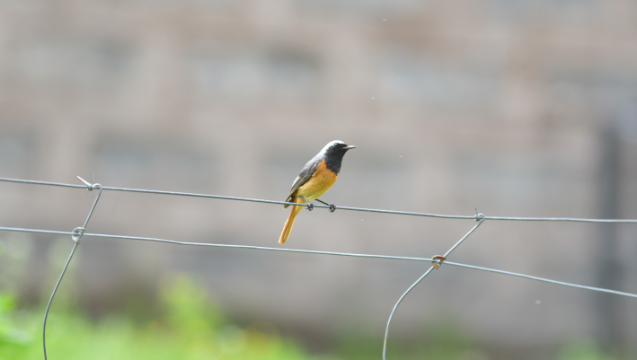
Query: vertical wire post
[(77, 236), (480, 218)]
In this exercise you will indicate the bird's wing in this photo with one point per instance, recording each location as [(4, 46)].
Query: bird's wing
[(305, 175)]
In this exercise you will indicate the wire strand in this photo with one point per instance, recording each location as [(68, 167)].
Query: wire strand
[(36, 182), (55, 289), (348, 208), (391, 315), (314, 252), (78, 233), (76, 236), (608, 291), (317, 252)]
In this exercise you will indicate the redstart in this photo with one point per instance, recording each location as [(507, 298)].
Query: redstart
[(316, 177)]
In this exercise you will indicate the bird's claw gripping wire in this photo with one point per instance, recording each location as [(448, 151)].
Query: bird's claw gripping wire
[(310, 206), (332, 207), (437, 260)]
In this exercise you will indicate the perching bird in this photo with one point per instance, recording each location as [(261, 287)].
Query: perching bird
[(316, 177)]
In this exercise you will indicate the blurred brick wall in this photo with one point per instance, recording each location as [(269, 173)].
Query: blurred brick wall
[(453, 105)]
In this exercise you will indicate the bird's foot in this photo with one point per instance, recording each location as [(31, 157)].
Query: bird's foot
[(332, 207), (310, 206)]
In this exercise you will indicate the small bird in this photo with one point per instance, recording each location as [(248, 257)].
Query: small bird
[(316, 177)]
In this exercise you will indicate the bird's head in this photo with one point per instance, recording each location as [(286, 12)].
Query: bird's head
[(337, 147)]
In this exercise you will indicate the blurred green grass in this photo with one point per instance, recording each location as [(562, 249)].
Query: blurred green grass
[(192, 326)]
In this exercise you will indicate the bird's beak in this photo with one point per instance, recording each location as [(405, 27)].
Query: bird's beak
[(348, 147)]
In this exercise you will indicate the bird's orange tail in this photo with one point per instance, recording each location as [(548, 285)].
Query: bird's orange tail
[(290, 222)]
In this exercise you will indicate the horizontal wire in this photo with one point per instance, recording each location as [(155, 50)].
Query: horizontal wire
[(395, 212), (55, 232), (562, 219), (36, 182), (222, 197), (387, 257), (477, 217)]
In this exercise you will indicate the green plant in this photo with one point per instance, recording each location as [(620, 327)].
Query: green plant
[(191, 327)]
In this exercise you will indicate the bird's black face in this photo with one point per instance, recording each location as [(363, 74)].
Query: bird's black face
[(333, 154), (339, 148)]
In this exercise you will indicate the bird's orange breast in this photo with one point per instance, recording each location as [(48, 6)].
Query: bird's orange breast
[(321, 181)]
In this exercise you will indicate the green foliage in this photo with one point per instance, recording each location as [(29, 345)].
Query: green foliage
[(440, 341), (583, 350), (192, 328), (9, 334), (12, 340)]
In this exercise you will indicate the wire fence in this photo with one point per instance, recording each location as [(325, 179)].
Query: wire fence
[(436, 261)]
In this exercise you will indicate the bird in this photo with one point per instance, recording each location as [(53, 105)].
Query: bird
[(316, 177)]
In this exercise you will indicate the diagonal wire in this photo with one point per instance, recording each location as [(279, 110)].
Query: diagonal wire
[(542, 279), (349, 208), (77, 236), (478, 216)]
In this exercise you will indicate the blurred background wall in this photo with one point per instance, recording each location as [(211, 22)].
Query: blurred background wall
[(518, 108)]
